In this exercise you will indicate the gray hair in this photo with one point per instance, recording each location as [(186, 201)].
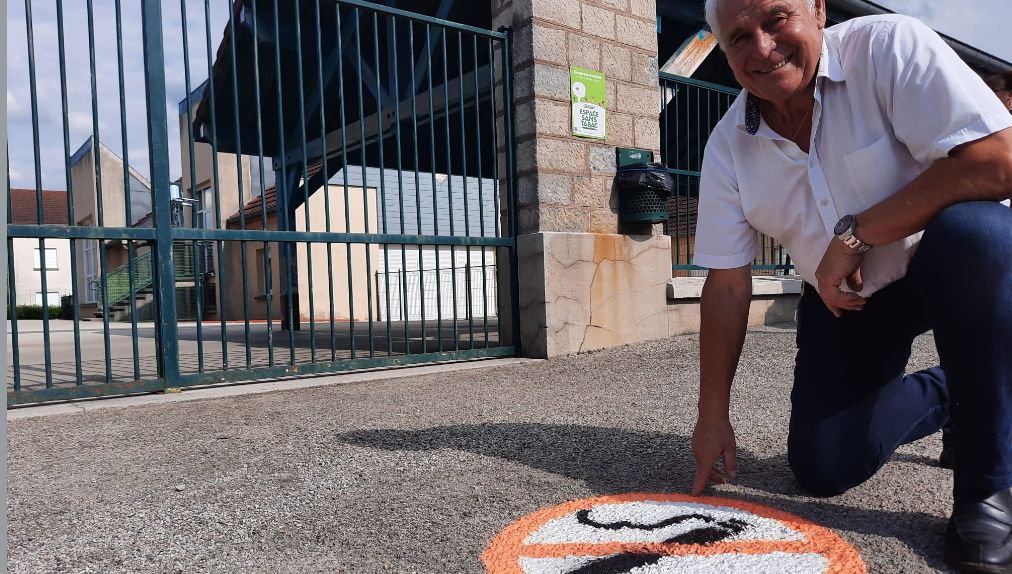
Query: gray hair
[(710, 9)]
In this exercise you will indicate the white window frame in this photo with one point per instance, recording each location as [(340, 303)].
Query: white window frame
[(52, 264), (53, 297), (206, 210)]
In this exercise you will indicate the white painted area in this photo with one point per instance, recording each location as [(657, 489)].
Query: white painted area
[(568, 530), (772, 563), (441, 282), (556, 565), (463, 284), (692, 287)]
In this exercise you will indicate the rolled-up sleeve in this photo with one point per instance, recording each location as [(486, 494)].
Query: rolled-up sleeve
[(935, 101), (724, 238)]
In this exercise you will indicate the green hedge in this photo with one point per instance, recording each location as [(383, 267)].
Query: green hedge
[(35, 312)]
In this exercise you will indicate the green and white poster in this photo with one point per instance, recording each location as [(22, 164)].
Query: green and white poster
[(587, 93)]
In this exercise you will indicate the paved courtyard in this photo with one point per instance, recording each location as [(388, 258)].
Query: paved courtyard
[(418, 473)]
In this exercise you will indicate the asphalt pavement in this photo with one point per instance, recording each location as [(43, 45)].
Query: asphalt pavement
[(419, 473)]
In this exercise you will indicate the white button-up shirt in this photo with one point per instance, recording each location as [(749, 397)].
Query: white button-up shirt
[(890, 98)]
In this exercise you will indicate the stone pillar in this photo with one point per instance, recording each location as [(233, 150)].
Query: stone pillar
[(585, 281)]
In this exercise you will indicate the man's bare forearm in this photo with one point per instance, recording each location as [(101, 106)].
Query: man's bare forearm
[(723, 320), (979, 171)]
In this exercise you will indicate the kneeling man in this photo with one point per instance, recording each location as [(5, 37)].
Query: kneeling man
[(878, 159)]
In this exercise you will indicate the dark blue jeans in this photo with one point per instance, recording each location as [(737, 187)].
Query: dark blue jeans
[(852, 402)]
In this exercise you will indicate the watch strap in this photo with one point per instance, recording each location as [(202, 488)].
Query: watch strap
[(855, 244)]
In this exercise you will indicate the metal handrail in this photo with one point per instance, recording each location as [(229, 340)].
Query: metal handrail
[(117, 281)]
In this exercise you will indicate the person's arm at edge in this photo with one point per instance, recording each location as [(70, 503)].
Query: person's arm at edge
[(724, 308), (980, 170)]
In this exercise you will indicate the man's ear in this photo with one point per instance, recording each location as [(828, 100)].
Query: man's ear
[(820, 13)]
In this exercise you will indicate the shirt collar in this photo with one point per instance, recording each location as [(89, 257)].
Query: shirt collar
[(829, 67)]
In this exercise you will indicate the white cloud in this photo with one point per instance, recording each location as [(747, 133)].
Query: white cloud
[(14, 107), (984, 25), (15, 175)]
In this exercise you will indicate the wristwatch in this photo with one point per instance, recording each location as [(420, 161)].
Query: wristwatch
[(844, 231)]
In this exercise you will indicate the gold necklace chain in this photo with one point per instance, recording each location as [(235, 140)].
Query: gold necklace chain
[(783, 121)]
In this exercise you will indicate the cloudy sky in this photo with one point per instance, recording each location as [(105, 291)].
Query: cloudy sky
[(984, 25), (79, 94)]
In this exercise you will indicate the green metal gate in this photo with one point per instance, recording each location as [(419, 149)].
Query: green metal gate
[(340, 195)]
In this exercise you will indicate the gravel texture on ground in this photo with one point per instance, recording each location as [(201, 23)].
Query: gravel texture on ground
[(419, 474)]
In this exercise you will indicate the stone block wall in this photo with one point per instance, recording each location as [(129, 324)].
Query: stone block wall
[(565, 183), (585, 282)]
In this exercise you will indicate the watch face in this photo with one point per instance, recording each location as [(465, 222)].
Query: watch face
[(845, 223)]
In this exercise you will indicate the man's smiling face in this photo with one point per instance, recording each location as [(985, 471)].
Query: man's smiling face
[(773, 46)]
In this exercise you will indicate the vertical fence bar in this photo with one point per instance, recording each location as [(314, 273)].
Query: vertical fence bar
[(216, 184), (382, 175), (344, 171), (481, 196), (686, 121), (13, 302), (326, 171), (677, 145), (400, 185), (449, 188), (305, 179), (365, 184), (43, 260), (12, 290), (239, 170), (193, 189), (127, 192), (158, 144), (96, 148), (507, 83), (668, 161), (418, 192), (496, 186), (75, 298), (268, 279), (435, 188), (284, 213), (463, 159)]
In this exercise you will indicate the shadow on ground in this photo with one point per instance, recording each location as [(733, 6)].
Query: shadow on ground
[(610, 460)]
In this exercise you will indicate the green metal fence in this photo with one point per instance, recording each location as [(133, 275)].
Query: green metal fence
[(321, 144), (690, 109)]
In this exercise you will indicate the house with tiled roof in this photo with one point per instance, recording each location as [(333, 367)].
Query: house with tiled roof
[(40, 261), (395, 281)]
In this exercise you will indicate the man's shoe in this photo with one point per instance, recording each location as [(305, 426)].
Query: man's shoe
[(948, 457), (979, 535)]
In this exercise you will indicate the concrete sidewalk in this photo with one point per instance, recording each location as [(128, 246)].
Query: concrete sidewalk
[(418, 473)]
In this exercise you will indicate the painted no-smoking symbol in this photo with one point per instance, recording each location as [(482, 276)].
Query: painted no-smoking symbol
[(643, 533)]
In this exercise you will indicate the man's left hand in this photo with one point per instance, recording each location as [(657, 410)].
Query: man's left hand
[(840, 264)]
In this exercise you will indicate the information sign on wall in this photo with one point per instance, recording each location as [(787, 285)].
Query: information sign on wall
[(587, 93)]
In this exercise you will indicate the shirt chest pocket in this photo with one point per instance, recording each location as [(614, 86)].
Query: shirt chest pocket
[(874, 172)]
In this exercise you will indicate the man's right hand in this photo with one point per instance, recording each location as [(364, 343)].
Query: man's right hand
[(713, 441), (723, 312)]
